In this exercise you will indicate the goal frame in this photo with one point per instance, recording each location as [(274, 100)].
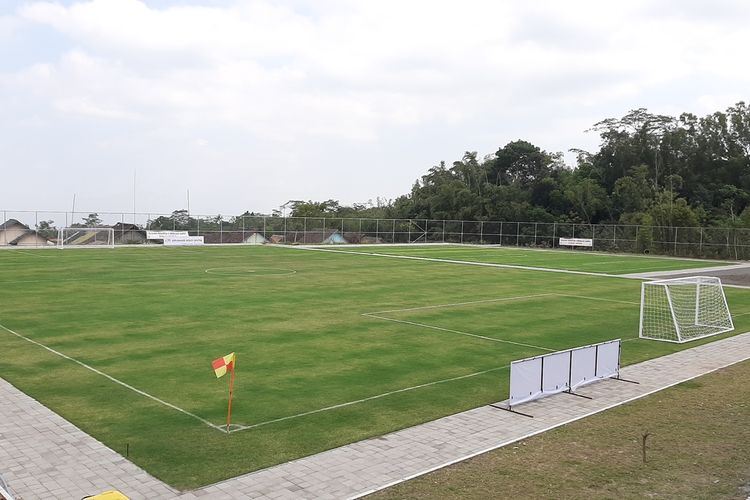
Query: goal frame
[(675, 323), (61, 244)]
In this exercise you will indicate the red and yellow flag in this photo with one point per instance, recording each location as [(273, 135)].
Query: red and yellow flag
[(223, 364)]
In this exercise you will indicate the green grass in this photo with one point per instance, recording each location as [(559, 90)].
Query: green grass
[(154, 319)]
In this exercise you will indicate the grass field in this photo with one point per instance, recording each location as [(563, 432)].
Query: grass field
[(332, 347)]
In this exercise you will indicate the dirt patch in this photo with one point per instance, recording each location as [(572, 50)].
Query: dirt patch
[(738, 276)]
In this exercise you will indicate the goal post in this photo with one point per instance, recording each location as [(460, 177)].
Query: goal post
[(86, 237), (683, 309)]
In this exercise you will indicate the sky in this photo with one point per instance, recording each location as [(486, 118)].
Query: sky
[(249, 104)]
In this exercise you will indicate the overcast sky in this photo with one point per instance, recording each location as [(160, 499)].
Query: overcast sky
[(251, 103)]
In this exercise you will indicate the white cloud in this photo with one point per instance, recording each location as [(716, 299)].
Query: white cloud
[(324, 90)]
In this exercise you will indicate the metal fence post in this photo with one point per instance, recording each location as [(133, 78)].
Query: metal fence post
[(535, 226), (462, 232), (554, 233), (443, 230), (518, 233), (729, 252), (481, 232), (700, 245)]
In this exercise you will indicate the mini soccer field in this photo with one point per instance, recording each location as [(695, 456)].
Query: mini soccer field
[(332, 346)]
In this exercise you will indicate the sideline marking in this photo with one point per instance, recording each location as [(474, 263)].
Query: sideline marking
[(27, 252), (113, 379), (239, 427), (636, 276), (464, 262)]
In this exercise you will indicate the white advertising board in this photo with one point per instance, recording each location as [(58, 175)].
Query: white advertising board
[(556, 376), (161, 235), (175, 238), (583, 366), (525, 380), (576, 242), (540, 376)]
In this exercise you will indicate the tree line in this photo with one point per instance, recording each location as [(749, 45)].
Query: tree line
[(650, 169)]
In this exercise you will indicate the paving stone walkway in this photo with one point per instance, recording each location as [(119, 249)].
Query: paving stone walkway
[(44, 456)]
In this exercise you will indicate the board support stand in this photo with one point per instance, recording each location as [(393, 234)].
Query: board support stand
[(577, 395), (624, 380), (511, 410)]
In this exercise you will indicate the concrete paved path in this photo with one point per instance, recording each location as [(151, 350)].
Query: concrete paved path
[(44, 456)]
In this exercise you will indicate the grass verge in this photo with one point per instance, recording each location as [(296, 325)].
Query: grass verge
[(697, 448)]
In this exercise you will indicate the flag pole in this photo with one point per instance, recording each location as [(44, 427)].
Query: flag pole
[(231, 392)]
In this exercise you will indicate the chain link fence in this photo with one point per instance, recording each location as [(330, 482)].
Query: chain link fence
[(40, 229)]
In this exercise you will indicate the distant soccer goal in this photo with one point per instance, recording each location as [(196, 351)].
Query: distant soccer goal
[(684, 309), (82, 237)]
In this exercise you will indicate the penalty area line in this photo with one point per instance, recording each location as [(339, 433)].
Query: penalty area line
[(458, 304), (458, 332), (113, 379)]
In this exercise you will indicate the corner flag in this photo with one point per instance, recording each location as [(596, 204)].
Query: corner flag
[(221, 365)]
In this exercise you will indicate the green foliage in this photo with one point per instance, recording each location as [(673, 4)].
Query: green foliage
[(91, 220), (681, 170)]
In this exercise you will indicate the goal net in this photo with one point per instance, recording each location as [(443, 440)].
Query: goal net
[(683, 309), (91, 237)]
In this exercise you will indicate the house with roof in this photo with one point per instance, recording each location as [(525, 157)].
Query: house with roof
[(247, 237), (15, 233), (128, 234)]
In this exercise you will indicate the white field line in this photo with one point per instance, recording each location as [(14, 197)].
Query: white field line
[(458, 332), (631, 276), (43, 281), (28, 252), (377, 314), (522, 250), (651, 274), (540, 431), (597, 298), (463, 262), (369, 398), (113, 379), (458, 304), (239, 427)]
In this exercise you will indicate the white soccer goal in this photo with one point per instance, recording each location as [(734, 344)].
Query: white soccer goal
[(86, 237), (684, 309)]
